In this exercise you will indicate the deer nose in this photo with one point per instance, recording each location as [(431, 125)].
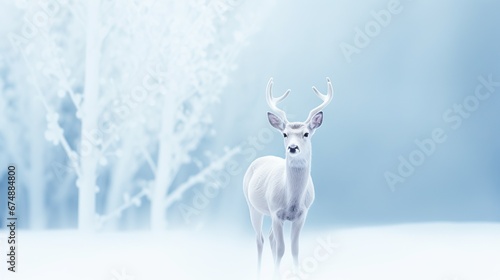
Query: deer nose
[(293, 149)]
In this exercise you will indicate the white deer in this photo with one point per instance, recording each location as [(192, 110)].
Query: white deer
[(283, 188)]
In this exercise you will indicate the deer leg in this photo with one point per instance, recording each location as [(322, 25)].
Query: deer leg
[(277, 226), (257, 218), (296, 228), (272, 243)]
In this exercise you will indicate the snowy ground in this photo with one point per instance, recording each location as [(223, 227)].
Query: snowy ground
[(405, 252)]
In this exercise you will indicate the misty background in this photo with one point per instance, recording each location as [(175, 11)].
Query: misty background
[(204, 105)]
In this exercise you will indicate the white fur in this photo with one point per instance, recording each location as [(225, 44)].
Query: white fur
[(283, 188)]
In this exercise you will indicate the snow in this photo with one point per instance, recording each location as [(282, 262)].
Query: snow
[(438, 251)]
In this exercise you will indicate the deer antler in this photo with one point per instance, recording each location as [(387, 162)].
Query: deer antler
[(325, 97), (272, 102)]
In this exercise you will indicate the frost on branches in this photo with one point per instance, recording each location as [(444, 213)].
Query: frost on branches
[(115, 99)]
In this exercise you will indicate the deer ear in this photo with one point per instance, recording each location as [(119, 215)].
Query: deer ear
[(316, 121), (275, 121)]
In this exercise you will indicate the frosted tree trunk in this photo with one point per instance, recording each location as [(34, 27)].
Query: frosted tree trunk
[(158, 211), (120, 182), (165, 166), (89, 147), (37, 174)]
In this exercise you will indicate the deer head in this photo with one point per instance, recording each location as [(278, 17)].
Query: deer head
[(297, 135)]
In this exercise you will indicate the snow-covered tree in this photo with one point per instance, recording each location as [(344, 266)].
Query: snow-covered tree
[(122, 93)]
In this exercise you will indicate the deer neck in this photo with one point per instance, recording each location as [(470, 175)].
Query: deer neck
[(297, 177)]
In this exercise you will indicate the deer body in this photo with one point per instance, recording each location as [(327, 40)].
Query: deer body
[(283, 188), (286, 191)]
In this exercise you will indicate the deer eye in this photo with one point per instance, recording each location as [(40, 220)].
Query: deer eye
[(285, 135), (306, 134)]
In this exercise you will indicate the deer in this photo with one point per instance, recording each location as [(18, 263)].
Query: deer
[(282, 188)]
